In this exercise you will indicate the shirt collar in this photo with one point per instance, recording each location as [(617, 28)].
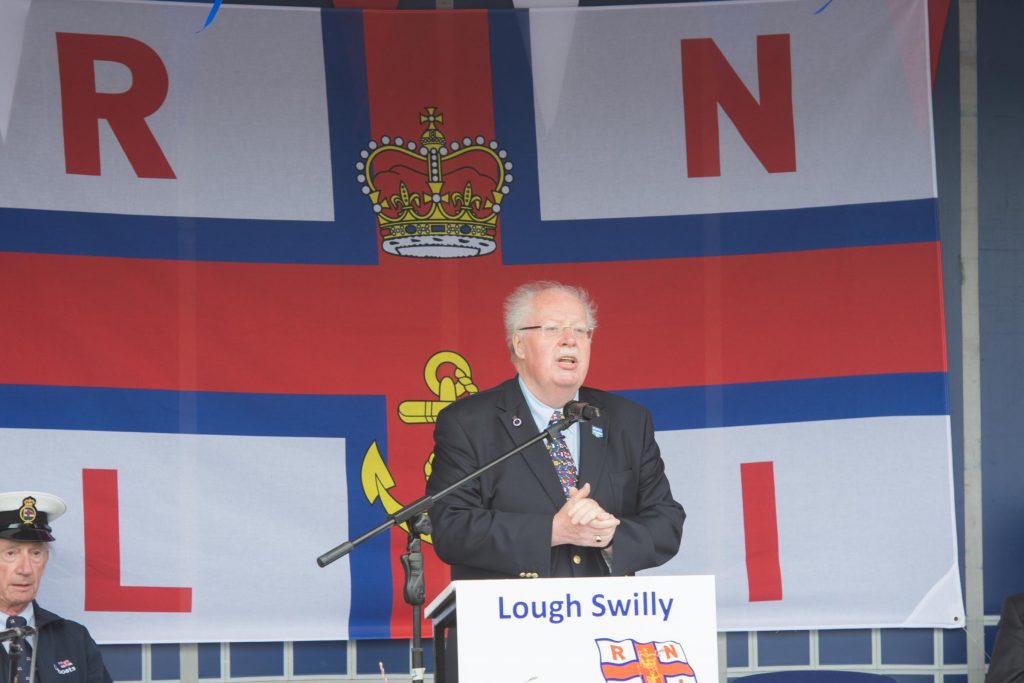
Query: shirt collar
[(541, 412), (30, 618), (29, 613)]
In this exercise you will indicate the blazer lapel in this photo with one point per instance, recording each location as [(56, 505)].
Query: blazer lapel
[(513, 409), (593, 445)]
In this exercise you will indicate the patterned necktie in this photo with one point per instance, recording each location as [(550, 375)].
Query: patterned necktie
[(25, 660), (562, 458)]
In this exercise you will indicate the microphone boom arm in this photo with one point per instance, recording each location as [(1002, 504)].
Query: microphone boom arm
[(426, 502)]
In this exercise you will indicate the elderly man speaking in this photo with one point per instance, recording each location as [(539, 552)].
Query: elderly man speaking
[(595, 502), (60, 651)]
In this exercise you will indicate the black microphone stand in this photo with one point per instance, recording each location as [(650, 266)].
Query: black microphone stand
[(412, 561), (415, 590), (14, 650)]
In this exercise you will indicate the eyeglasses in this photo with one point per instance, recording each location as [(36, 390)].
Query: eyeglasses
[(553, 331)]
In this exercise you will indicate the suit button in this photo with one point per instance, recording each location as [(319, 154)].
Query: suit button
[(576, 559)]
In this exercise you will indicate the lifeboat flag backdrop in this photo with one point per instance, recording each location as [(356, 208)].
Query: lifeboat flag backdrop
[(243, 269)]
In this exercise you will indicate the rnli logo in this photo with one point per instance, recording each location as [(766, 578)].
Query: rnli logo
[(635, 661), (64, 667)]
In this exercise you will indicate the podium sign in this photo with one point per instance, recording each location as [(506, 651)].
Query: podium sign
[(624, 629)]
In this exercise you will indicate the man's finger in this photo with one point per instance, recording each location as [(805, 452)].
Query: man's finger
[(579, 506)]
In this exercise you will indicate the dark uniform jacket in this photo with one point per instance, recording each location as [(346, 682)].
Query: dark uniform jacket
[(64, 652), (499, 525)]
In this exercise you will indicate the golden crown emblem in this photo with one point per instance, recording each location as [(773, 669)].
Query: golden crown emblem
[(435, 199)]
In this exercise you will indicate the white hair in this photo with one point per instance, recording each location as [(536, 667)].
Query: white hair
[(519, 304)]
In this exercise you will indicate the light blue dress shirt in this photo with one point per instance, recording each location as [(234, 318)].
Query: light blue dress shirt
[(542, 416)]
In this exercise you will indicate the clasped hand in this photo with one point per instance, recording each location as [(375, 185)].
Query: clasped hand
[(582, 521)]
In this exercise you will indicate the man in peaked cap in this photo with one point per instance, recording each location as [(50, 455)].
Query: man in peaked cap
[(60, 651)]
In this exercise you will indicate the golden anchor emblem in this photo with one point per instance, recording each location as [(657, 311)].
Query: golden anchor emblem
[(376, 478)]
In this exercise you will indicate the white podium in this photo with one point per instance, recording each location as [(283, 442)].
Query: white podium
[(627, 629)]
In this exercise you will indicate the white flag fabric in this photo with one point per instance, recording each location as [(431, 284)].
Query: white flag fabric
[(230, 523), (851, 496), (610, 105), (221, 107)]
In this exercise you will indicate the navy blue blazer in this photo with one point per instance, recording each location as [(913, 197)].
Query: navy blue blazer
[(64, 652), (499, 525)]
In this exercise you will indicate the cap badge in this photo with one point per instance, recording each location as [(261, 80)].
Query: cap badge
[(27, 513)]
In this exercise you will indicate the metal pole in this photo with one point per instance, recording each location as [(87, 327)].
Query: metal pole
[(969, 302)]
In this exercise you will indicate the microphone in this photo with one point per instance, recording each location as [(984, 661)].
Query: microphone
[(16, 632), (578, 410)]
